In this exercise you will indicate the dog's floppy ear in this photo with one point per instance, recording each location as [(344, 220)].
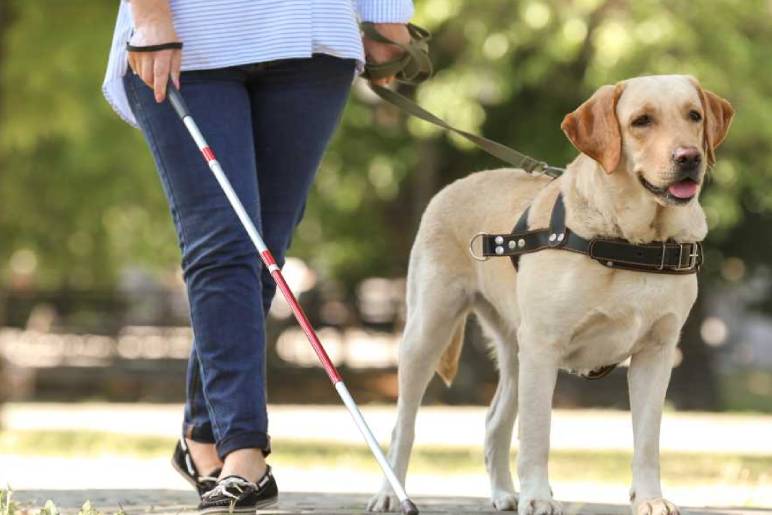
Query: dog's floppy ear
[(594, 129), (718, 118)]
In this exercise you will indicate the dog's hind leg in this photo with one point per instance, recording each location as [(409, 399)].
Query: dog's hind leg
[(500, 419), (437, 309)]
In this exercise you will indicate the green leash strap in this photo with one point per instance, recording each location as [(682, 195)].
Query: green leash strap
[(503, 152), (414, 67)]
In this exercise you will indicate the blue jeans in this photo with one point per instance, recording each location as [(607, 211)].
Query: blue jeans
[(269, 124)]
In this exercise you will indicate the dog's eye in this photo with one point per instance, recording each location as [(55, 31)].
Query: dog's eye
[(642, 121), (695, 116)]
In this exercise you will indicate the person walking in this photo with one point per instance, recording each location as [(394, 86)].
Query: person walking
[(266, 81)]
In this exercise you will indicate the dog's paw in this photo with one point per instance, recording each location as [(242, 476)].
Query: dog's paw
[(655, 507), (504, 501), (383, 502), (539, 507)]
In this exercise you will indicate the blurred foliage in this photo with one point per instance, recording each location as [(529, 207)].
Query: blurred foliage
[(748, 390), (511, 71), (80, 200), (79, 197)]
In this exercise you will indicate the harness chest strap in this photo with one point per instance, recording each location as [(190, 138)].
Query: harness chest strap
[(664, 257)]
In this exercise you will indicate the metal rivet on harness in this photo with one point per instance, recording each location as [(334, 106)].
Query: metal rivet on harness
[(512, 244), (609, 263), (521, 243), (561, 236), (499, 240), (499, 250), (553, 236)]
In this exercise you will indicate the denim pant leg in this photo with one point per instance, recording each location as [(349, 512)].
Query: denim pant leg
[(296, 106), (221, 267), (196, 423)]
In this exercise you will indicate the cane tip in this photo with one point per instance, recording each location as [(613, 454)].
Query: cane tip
[(408, 508)]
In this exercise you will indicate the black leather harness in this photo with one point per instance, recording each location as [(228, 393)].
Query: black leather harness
[(661, 257)]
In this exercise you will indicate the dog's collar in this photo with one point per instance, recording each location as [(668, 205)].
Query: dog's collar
[(662, 257)]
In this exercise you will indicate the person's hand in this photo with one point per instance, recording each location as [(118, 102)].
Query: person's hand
[(378, 53), (153, 26)]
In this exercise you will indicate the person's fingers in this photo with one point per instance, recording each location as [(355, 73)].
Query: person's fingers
[(130, 59), (176, 65), (161, 67), (378, 52), (134, 63), (146, 69)]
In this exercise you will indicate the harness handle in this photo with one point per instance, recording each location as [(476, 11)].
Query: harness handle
[(414, 67)]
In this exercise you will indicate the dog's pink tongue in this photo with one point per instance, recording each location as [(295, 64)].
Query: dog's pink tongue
[(683, 189)]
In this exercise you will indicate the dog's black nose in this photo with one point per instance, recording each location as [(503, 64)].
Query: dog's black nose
[(687, 157)]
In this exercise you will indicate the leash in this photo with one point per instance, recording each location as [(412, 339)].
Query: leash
[(414, 67)]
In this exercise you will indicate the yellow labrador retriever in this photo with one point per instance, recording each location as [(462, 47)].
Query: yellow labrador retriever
[(645, 145)]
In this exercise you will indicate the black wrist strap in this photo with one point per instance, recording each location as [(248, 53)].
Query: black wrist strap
[(174, 45)]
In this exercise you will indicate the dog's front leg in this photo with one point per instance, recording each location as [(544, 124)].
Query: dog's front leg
[(538, 374), (648, 377)]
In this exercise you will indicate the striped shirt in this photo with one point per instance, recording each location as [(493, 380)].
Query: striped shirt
[(222, 33)]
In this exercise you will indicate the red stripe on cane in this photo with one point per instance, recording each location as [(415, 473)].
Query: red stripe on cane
[(332, 372), (268, 258), (208, 153)]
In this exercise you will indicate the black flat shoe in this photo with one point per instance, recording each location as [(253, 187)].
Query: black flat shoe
[(234, 494), (182, 462)]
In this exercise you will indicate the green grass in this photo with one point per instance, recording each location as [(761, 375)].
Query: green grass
[(82, 443), (599, 466), (9, 507)]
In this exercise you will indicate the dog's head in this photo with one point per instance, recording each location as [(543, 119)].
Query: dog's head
[(661, 130)]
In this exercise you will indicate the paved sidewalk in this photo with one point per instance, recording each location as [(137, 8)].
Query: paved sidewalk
[(172, 501)]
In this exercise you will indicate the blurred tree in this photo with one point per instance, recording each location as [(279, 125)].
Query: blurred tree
[(511, 70), (79, 199)]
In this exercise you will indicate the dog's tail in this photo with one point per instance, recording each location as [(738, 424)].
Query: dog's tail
[(448, 365)]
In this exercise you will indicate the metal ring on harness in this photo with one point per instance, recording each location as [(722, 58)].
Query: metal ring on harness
[(471, 247)]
